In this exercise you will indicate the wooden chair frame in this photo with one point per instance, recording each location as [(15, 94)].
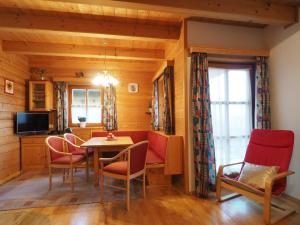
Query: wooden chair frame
[(127, 177), (263, 197), (78, 146), (70, 166)]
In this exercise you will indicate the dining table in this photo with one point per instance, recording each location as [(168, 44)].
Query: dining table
[(104, 144)]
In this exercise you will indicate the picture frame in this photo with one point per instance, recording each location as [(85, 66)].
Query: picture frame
[(133, 88), (8, 87)]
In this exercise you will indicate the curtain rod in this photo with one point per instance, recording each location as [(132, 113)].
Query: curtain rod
[(229, 51)]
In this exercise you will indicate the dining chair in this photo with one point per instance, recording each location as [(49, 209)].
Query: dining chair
[(131, 168), (74, 148), (58, 158)]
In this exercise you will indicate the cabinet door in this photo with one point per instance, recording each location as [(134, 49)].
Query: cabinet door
[(33, 156), (40, 96)]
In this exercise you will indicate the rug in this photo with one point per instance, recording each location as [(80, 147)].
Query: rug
[(30, 190)]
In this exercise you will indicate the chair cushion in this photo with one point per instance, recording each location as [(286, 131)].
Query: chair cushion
[(66, 159), (119, 167), (153, 157), (256, 175)]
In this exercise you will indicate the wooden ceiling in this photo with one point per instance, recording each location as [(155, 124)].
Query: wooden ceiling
[(130, 36)]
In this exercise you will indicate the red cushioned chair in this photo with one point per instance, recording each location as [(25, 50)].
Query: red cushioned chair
[(59, 158), (268, 148), (74, 148), (127, 170)]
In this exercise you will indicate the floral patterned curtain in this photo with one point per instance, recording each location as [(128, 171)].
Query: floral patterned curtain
[(169, 123), (155, 116), (110, 109), (203, 143), (263, 109), (61, 93)]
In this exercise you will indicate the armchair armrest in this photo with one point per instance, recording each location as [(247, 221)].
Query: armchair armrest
[(221, 167), (60, 153), (269, 183), (115, 157), (79, 139)]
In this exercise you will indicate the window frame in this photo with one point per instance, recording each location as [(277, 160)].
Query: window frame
[(86, 87)]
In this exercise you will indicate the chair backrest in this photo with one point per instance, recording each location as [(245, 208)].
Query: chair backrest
[(70, 138), (270, 148), (56, 143), (138, 154)]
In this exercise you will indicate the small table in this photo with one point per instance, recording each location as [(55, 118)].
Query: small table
[(100, 144)]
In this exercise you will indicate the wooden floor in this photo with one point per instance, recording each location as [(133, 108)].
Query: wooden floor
[(162, 206)]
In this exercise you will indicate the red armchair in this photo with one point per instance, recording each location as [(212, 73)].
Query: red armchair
[(126, 170), (59, 158), (74, 148), (268, 148)]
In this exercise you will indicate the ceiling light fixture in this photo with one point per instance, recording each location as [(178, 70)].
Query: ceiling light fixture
[(104, 79)]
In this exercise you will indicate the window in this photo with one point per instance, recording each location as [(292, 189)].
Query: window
[(231, 106), (85, 102)]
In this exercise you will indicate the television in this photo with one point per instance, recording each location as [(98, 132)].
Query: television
[(31, 123)]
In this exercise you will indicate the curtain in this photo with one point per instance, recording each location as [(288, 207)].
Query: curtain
[(203, 143), (110, 109), (155, 116), (263, 109), (61, 94), (169, 123)]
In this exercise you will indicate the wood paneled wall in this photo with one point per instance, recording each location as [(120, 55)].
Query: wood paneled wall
[(14, 68), (131, 107), (179, 54)]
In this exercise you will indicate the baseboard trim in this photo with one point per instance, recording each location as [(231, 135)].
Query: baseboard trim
[(8, 178), (292, 199)]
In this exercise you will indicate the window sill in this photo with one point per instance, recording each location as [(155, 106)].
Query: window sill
[(92, 127)]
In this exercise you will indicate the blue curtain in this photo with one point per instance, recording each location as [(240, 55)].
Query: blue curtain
[(61, 93), (110, 110), (169, 120), (203, 143), (155, 111), (263, 108)]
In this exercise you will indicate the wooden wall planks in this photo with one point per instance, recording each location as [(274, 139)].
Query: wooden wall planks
[(14, 68)]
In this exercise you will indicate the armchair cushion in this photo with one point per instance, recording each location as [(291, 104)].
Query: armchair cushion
[(256, 175), (67, 160), (119, 167)]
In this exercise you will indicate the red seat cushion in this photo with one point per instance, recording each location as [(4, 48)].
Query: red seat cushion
[(66, 159), (153, 158), (119, 167)]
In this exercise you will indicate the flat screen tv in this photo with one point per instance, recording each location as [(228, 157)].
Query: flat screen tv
[(30, 123)]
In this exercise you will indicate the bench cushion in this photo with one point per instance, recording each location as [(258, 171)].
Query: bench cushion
[(153, 157), (158, 144)]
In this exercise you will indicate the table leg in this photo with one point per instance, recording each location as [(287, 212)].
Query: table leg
[(96, 167)]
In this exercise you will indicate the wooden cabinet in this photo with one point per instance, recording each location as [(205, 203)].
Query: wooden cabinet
[(40, 96), (33, 152)]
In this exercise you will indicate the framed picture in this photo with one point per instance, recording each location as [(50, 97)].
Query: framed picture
[(133, 88), (9, 87)]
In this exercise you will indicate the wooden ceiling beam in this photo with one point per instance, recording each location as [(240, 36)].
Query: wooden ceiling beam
[(236, 10), (83, 51), (104, 27), (95, 64)]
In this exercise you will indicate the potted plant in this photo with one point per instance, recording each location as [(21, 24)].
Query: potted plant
[(82, 121)]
